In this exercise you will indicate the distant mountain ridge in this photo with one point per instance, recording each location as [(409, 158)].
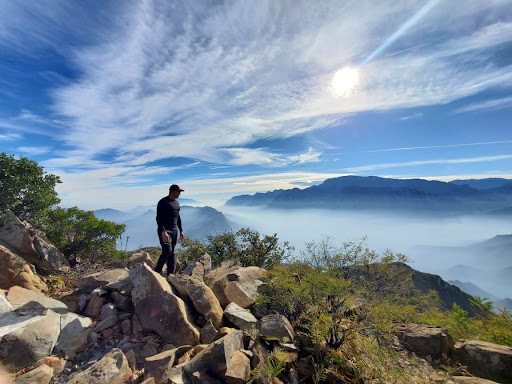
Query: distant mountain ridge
[(198, 222), (371, 192)]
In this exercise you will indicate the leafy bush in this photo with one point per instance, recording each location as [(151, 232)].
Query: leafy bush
[(25, 189)]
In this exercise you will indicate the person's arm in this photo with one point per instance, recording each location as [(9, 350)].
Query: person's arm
[(180, 228), (160, 214)]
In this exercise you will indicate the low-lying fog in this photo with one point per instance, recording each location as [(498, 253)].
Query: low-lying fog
[(445, 246)]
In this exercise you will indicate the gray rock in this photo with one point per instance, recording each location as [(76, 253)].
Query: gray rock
[(112, 369), (486, 360), (19, 296), (36, 340), (276, 326), (208, 333), (240, 317), (215, 359), (31, 244), (104, 324), (113, 279), (71, 327), (18, 319), (108, 310), (159, 310)]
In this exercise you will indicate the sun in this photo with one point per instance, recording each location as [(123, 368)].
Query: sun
[(345, 80)]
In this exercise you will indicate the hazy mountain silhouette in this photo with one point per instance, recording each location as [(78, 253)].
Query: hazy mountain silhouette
[(198, 222), (370, 193), (482, 184)]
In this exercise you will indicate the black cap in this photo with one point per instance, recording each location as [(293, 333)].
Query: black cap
[(175, 187)]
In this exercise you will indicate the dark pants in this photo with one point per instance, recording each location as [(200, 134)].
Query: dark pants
[(168, 252)]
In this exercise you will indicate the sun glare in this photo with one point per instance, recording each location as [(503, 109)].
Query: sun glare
[(345, 80)]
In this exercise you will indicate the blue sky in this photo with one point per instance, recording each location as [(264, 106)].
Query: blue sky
[(122, 99)]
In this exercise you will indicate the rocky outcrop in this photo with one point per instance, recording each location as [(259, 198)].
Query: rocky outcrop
[(17, 272), (159, 309), (142, 328), (425, 340), (31, 244), (484, 359)]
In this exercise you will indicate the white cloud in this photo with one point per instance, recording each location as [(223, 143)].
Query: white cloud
[(10, 136), (34, 151)]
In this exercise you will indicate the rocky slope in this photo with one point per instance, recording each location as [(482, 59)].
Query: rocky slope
[(131, 325)]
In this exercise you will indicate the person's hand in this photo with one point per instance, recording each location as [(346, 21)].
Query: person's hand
[(182, 235), (165, 237)]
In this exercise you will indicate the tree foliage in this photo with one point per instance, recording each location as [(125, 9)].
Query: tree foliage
[(26, 189), (79, 234), (246, 246)]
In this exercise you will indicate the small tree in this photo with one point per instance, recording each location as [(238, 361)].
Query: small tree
[(245, 246), (79, 233), (25, 189)]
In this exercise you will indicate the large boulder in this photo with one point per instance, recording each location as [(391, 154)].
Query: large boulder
[(202, 297), (235, 284), (19, 296), (425, 339), (31, 244), (483, 359), (22, 348), (15, 320), (112, 368), (158, 309), (16, 271)]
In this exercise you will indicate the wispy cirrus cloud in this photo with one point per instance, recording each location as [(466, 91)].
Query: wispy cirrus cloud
[(443, 146), (489, 105), (373, 167), (232, 74)]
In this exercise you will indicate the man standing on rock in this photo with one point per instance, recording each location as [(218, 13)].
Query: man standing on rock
[(169, 222)]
